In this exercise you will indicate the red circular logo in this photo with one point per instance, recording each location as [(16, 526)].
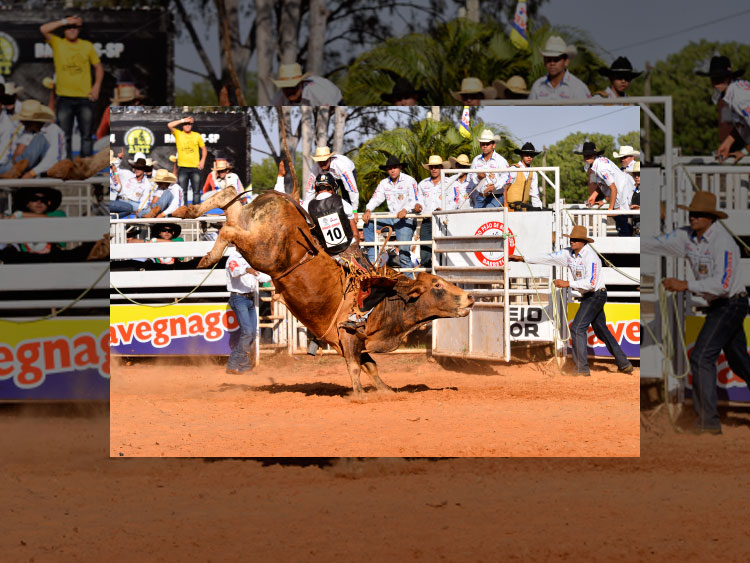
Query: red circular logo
[(494, 259)]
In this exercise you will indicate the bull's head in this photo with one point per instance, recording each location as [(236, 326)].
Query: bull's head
[(438, 298)]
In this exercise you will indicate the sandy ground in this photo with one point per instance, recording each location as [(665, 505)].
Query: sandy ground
[(65, 499), (301, 407)]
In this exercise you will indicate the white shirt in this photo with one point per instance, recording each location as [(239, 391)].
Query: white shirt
[(132, 189), (737, 97), (608, 92), (533, 189), (155, 192), (238, 280), (585, 268), (56, 150), (10, 132), (430, 195), (316, 91), (604, 173), (571, 88), (401, 194), (714, 259), (341, 168), (458, 192), (348, 210), (499, 179), (629, 168)]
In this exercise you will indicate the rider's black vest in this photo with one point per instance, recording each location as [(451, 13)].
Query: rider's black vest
[(332, 227)]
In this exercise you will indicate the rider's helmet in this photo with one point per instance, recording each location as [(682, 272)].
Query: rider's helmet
[(324, 181)]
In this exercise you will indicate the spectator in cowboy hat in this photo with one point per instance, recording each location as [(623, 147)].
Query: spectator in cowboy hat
[(559, 83), (126, 94), (402, 94), (524, 186), (620, 74), (40, 145), (221, 176), (490, 187), (431, 196), (472, 92), (627, 155), (9, 101), (302, 89), (736, 95), (459, 188), (134, 188), (164, 197), (715, 259), (514, 89), (343, 171)]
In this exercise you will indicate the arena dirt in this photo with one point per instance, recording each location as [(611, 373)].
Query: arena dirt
[(64, 499)]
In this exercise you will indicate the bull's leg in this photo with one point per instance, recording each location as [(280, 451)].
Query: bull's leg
[(371, 368), (219, 199), (351, 348), (228, 234)]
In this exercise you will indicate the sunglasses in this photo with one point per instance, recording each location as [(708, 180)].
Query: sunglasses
[(577, 240), (554, 59), (699, 215), (434, 167), (39, 197), (476, 96), (486, 144)]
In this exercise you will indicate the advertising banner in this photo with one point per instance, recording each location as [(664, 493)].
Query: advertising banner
[(177, 330), (56, 359), (730, 387), (623, 320)]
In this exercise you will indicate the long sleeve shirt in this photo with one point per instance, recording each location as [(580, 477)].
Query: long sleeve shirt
[(399, 194), (604, 173), (430, 195), (341, 168), (156, 193), (133, 190), (458, 192), (238, 280), (316, 91), (737, 97), (499, 179), (571, 88), (585, 267), (534, 188), (714, 259)]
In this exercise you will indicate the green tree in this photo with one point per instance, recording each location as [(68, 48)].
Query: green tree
[(632, 139), (265, 172), (414, 145), (203, 93)]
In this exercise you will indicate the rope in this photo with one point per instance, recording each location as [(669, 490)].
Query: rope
[(68, 306)]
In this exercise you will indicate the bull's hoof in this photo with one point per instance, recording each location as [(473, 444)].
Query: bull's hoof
[(205, 262), (184, 212)]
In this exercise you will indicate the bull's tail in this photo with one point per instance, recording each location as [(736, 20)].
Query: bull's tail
[(226, 199)]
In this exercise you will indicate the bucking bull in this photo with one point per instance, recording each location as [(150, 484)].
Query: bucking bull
[(273, 235)]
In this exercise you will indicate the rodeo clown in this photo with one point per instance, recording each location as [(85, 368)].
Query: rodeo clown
[(715, 259), (586, 270)]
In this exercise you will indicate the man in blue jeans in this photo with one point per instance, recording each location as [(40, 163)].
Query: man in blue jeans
[(715, 260), (586, 271), (242, 281)]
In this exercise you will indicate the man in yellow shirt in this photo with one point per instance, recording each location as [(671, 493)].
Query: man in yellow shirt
[(73, 58), (189, 163)]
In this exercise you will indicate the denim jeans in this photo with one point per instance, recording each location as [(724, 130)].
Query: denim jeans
[(624, 226), (483, 202), (722, 330), (404, 229), (591, 312), (163, 202), (82, 110), (192, 175), (425, 251), (244, 309), (33, 153), (122, 207)]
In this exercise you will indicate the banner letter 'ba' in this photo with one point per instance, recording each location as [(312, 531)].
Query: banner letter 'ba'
[(464, 128), (518, 34)]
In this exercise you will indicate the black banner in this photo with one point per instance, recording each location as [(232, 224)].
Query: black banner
[(225, 132)]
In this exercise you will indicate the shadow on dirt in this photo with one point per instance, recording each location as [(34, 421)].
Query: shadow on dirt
[(322, 389)]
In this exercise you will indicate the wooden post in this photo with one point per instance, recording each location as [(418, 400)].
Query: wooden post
[(282, 127)]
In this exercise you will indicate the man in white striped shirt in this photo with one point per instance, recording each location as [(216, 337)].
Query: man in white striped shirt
[(490, 187)]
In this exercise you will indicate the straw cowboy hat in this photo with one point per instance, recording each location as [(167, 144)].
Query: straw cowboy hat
[(626, 150), (556, 46), (579, 232), (473, 85), (220, 164), (164, 176), (720, 67), (172, 158), (460, 160), (620, 68), (515, 84), (487, 136), (636, 167), (33, 110), (12, 89), (23, 195), (126, 93), (322, 154), (392, 161), (588, 149), (527, 149), (290, 75), (704, 202), (434, 160), (402, 89)]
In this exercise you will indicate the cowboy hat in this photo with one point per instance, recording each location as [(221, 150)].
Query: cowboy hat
[(487, 136), (556, 46), (11, 89), (620, 68), (140, 161), (172, 158), (33, 110), (720, 67), (176, 229), (704, 202), (391, 162), (434, 160), (126, 93), (515, 84), (626, 150), (402, 89), (220, 164), (48, 82), (473, 85), (164, 176), (636, 167), (460, 160), (527, 149), (290, 75), (322, 154), (588, 149), (22, 196), (579, 232)]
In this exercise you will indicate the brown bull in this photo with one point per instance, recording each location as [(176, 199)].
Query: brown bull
[(273, 235)]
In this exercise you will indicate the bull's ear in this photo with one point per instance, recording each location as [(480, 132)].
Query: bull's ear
[(416, 291)]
